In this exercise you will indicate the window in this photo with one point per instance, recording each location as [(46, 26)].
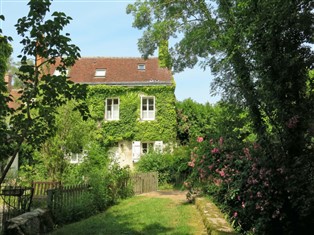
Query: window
[(76, 158), (58, 73), (139, 148), (100, 73), (148, 108), (141, 66), (147, 147), (112, 109)]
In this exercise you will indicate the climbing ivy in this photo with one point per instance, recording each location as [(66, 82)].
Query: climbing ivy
[(129, 126)]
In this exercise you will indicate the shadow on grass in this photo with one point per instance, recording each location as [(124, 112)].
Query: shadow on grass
[(138, 216), (114, 225)]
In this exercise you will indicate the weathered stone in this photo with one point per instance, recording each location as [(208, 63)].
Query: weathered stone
[(213, 219), (35, 222)]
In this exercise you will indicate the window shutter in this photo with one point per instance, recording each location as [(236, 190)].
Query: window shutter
[(136, 151), (158, 146)]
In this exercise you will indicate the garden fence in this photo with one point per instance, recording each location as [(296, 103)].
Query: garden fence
[(15, 200), (145, 182), (65, 196), (41, 188)]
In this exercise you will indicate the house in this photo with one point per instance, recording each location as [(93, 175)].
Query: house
[(133, 102), (12, 104)]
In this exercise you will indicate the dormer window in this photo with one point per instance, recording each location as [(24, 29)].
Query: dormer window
[(58, 73), (100, 73), (141, 66)]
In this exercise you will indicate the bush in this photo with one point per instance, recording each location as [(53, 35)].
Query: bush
[(171, 167), (109, 187), (81, 209), (244, 179)]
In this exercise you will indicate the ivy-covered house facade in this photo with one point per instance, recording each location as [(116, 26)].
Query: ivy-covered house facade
[(133, 102)]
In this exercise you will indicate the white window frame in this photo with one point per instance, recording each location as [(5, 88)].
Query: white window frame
[(77, 158), (138, 149), (147, 114), (149, 145), (141, 67), (100, 73), (58, 73), (112, 114)]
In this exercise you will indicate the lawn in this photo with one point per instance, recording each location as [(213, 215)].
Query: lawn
[(140, 215)]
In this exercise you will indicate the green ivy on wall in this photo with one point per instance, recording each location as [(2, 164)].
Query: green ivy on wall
[(129, 126)]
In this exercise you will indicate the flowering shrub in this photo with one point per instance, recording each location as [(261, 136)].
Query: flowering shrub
[(245, 181)]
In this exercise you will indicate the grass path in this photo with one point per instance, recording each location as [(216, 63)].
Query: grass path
[(150, 214)]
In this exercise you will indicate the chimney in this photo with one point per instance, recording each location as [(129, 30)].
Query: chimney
[(164, 57), (8, 80)]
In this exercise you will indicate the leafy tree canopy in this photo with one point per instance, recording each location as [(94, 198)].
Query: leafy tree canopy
[(42, 93), (261, 53)]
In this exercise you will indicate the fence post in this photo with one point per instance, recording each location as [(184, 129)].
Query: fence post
[(50, 198)]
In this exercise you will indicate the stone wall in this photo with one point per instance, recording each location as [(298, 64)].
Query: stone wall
[(36, 222), (213, 219)]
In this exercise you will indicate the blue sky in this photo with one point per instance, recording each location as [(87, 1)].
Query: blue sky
[(102, 28)]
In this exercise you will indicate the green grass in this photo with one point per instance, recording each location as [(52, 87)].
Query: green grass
[(140, 215)]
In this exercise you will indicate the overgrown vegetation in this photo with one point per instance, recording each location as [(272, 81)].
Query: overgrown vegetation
[(261, 53), (128, 127), (171, 166), (33, 122)]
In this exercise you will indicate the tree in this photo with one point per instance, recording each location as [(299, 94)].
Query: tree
[(34, 121), (260, 54), (72, 136), (194, 120), (13, 70), (5, 52)]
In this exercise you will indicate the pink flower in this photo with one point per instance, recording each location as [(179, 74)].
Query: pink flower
[(243, 205), (222, 173), (200, 139), (191, 164), (235, 214), (215, 150), (211, 167)]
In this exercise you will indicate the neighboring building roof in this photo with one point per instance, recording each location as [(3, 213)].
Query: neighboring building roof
[(119, 71), (14, 95)]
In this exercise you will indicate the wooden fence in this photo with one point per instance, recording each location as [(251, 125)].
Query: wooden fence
[(145, 182), (65, 197), (61, 199), (41, 188), (15, 200)]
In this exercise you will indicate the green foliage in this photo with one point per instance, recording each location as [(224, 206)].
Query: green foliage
[(5, 52), (244, 181), (171, 166), (222, 119), (193, 120), (260, 53), (72, 135), (149, 216), (83, 207), (34, 120), (108, 187), (129, 127)]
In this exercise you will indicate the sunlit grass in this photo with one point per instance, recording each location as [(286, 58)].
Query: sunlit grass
[(141, 215)]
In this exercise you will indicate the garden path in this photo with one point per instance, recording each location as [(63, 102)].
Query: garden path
[(180, 198)]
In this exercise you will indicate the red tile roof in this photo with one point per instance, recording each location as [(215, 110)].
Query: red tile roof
[(119, 71), (14, 96)]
